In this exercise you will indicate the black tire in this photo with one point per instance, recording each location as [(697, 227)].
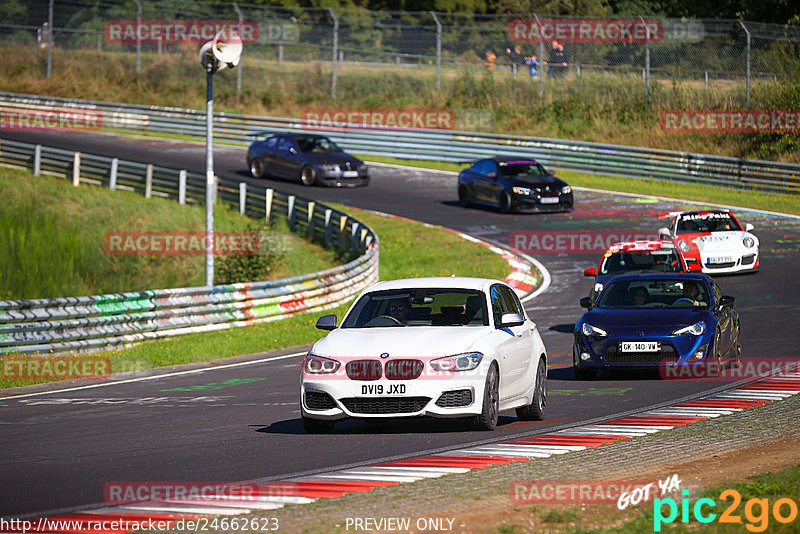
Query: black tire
[(308, 176), (584, 374), (317, 426), (464, 198), (535, 410), (257, 169), (505, 203), (487, 420)]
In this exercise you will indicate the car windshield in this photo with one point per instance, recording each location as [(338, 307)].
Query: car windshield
[(624, 261), (707, 222), (419, 307), (316, 144), (522, 168), (654, 293)]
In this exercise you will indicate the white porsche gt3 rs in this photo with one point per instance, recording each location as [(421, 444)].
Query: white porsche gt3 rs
[(440, 347)]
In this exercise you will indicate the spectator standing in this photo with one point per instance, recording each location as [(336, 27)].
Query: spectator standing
[(533, 65), (491, 59), (515, 58), (558, 61)]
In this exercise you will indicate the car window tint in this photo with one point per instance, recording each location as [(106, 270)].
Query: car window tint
[(419, 307), (491, 166), (717, 292), (499, 306), (285, 144), (271, 142), (480, 167), (512, 302)]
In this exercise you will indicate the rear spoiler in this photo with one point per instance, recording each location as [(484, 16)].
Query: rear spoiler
[(668, 214)]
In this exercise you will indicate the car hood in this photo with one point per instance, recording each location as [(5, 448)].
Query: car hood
[(539, 181), (333, 157), (717, 241), (399, 341), (620, 321)]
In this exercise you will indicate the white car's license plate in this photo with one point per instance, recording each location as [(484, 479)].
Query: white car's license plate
[(349, 174), (379, 389), (719, 259), (548, 200), (640, 346)]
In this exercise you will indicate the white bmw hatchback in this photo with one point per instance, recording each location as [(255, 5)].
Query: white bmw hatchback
[(440, 347)]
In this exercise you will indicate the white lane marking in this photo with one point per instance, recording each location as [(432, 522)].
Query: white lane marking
[(697, 409), (512, 454), (381, 471), (369, 477), (598, 432), (555, 449), (785, 392), (640, 427), (156, 377), (175, 509), (627, 428), (685, 413), (443, 470)]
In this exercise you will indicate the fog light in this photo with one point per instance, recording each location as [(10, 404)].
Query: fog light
[(585, 356), (699, 354)]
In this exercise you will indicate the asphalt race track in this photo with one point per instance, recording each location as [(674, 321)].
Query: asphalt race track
[(61, 448)]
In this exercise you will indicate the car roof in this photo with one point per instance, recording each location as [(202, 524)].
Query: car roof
[(296, 136), (698, 277), (641, 246), (514, 159), (703, 212), (446, 282)]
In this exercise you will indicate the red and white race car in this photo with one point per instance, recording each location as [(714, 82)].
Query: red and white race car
[(714, 239)]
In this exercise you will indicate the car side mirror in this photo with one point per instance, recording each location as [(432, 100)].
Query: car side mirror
[(749, 227), (511, 319), (663, 233), (586, 303), (327, 322), (591, 271), (726, 301)]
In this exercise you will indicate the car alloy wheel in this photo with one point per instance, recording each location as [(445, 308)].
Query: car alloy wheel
[(464, 197), (317, 426), (257, 168), (487, 420), (308, 175), (506, 203), (535, 410)]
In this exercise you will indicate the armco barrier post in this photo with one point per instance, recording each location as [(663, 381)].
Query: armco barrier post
[(242, 197), (354, 237), (76, 169), (148, 181), (37, 160), (182, 186), (311, 206), (290, 210), (328, 227), (268, 205), (112, 174)]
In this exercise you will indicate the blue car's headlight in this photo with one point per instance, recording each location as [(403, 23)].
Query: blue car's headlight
[(521, 190), (589, 330), (330, 167), (697, 329), (566, 189)]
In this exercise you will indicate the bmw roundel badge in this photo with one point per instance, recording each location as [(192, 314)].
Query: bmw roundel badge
[(385, 355)]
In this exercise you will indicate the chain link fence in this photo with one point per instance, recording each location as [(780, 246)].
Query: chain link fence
[(436, 47)]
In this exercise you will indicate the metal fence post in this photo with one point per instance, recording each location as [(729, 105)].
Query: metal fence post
[(148, 181), (290, 210), (37, 160), (335, 50), (328, 227), (239, 66), (50, 39), (182, 186), (76, 169), (541, 56), (112, 174), (268, 204), (748, 61), (242, 197), (311, 206), (646, 61), (438, 51), (138, 36)]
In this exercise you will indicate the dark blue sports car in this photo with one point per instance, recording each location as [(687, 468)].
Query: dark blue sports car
[(655, 320), (513, 184), (312, 159)]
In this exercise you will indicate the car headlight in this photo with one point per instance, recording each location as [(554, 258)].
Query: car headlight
[(696, 329), (566, 189), (521, 190), (457, 362), (330, 167), (683, 246), (317, 365), (589, 330), (749, 241)]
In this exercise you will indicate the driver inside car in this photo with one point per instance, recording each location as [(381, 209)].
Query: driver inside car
[(692, 292), (398, 309)]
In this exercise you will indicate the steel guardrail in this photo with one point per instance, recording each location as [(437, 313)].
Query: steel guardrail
[(88, 323), (448, 145)]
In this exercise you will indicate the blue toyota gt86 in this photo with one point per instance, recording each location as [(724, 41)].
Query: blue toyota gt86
[(651, 320)]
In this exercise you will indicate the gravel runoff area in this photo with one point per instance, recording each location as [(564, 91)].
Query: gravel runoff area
[(479, 500)]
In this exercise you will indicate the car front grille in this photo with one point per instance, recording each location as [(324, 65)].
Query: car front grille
[(378, 405), (317, 400), (614, 356), (364, 370), (726, 265), (403, 369), (455, 399)]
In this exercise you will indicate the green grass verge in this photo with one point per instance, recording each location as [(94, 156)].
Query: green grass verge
[(766, 489), (53, 240), (685, 191), (408, 249)]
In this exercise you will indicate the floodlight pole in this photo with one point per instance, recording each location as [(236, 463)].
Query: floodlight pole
[(210, 183)]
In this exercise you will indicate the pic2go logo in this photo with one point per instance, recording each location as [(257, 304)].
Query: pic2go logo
[(756, 511)]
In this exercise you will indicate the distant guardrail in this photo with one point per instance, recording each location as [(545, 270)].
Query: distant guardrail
[(446, 145), (79, 324)]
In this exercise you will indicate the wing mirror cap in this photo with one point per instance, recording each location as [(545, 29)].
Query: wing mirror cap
[(327, 322), (511, 319), (586, 303)]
